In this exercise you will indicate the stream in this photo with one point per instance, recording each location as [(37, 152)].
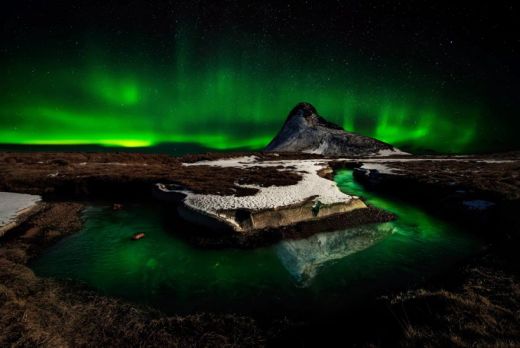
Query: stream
[(324, 273)]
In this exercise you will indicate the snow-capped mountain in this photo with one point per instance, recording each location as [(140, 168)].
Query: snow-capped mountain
[(306, 131)]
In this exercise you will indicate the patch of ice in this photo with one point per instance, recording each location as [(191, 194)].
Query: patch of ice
[(478, 204), (13, 204)]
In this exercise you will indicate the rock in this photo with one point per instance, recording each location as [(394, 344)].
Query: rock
[(138, 236), (117, 206), (60, 162), (306, 131)]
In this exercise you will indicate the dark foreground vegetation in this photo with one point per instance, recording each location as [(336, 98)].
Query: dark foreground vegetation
[(476, 303)]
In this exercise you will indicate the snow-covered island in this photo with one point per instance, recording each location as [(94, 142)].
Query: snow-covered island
[(313, 197)]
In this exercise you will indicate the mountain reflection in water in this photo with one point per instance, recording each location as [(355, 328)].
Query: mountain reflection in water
[(304, 258)]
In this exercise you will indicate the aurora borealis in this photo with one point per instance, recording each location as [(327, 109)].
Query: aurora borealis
[(218, 108), (229, 83)]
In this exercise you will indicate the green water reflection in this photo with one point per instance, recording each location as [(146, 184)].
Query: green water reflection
[(325, 272)]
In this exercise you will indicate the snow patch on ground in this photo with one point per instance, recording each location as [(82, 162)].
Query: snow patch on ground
[(237, 162), (122, 164), (422, 159), (381, 168), (310, 185), (13, 204), (388, 152)]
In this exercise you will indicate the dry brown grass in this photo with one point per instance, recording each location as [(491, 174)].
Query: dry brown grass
[(222, 181), (43, 312), (494, 180), (97, 175), (483, 310)]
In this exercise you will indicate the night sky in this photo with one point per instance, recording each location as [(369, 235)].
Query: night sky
[(224, 74)]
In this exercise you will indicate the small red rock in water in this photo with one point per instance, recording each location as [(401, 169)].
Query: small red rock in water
[(117, 206), (138, 236)]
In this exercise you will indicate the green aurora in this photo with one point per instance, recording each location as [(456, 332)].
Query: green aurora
[(225, 76), (223, 100)]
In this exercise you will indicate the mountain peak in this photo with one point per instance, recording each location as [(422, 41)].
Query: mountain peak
[(303, 109), (306, 131), (311, 116)]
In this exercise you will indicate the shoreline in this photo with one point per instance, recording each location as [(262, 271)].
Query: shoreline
[(68, 305)]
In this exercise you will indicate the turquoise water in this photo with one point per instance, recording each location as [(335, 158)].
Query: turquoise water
[(323, 273)]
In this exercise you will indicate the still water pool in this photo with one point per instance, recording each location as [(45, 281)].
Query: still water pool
[(326, 272)]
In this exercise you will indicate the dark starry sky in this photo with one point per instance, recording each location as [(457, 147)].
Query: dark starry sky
[(466, 51)]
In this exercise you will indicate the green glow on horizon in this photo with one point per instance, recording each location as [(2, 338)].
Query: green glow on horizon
[(219, 102), (103, 142)]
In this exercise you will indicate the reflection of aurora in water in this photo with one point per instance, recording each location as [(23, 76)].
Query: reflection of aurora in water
[(223, 101)]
